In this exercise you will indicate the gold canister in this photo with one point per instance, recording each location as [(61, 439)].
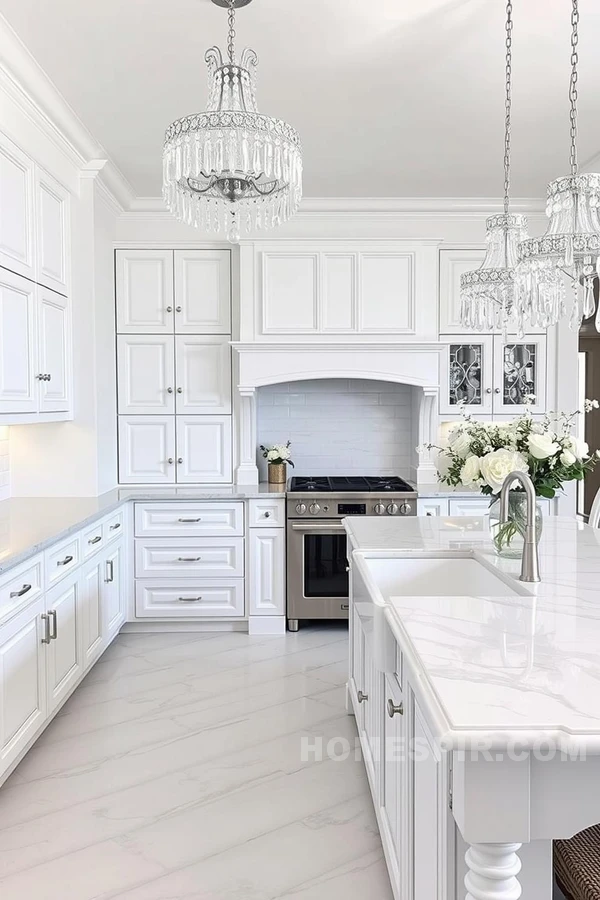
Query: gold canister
[(277, 473)]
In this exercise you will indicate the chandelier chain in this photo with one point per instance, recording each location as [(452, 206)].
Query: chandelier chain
[(231, 33), (507, 104), (573, 85)]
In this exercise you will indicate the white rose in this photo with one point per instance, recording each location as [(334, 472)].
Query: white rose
[(567, 458), (284, 453), (542, 445), (461, 444), (497, 465), (272, 454), (578, 447), (442, 463), (471, 471)]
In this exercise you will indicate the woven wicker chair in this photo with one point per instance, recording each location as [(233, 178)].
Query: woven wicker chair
[(577, 865)]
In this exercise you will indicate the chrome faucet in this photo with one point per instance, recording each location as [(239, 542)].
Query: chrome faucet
[(530, 564)]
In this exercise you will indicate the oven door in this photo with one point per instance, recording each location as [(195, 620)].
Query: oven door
[(317, 570)]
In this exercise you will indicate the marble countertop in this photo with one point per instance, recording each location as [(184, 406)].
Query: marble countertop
[(29, 525), (515, 668), (436, 489)]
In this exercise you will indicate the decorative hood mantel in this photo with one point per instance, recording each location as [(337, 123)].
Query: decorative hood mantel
[(260, 363)]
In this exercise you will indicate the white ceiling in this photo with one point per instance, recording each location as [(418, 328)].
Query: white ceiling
[(392, 98)]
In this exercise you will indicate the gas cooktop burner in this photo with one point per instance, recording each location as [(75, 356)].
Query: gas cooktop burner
[(340, 484)]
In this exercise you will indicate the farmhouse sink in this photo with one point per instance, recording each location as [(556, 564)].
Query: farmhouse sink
[(426, 577)]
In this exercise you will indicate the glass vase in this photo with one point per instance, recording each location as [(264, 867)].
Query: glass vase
[(508, 538)]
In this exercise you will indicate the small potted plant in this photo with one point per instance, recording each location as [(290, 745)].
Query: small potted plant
[(277, 457)]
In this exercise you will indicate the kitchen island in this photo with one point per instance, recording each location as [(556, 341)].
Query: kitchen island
[(476, 699)]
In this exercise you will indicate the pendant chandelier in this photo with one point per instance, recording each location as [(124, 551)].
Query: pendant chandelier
[(488, 293), (230, 167), (571, 244)]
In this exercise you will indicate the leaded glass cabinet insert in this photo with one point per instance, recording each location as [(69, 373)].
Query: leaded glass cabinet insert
[(519, 374), (466, 375)]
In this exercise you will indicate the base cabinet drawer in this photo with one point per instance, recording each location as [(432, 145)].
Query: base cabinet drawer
[(61, 559), (189, 519), (20, 586), (204, 557), (189, 600)]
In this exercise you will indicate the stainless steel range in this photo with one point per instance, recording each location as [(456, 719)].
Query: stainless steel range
[(317, 565)]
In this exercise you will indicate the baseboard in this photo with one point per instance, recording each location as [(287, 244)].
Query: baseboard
[(166, 627), (266, 625)]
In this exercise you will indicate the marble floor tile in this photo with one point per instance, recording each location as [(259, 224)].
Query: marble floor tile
[(177, 770)]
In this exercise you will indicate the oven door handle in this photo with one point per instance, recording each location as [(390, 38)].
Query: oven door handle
[(317, 526)]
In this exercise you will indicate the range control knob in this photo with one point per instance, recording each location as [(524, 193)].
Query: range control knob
[(314, 509), (393, 509), (405, 509), (379, 509), (300, 508)]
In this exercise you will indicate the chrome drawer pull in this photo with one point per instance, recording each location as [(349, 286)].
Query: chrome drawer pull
[(65, 561), (362, 697), (46, 621), (95, 540), (188, 521), (115, 526), (110, 571), (53, 619), (24, 589), (189, 599), (344, 606), (189, 558), (392, 709)]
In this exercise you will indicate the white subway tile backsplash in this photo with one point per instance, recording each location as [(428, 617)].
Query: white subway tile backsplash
[(340, 426)]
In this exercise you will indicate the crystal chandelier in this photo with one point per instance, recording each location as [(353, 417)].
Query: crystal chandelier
[(571, 244), (488, 293), (230, 167)]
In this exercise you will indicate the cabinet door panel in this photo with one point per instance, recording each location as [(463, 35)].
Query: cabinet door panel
[(18, 385), (91, 612), (202, 292), (520, 371), (64, 655), (290, 293), (146, 374), (146, 444), (339, 292), (203, 375), (387, 293), (432, 507), (16, 209), (477, 506), (453, 264), (204, 446), (53, 236), (172, 599), (144, 280), (392, 787), (467, 376), (22, 682), (266, 592), (54, 351), (114, 598)]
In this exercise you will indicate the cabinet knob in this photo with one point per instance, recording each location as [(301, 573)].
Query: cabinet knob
[(170, 460), (392, 709), (48, 377), (180, 390), (267, 515), (169, 390), (496, 390), (362, 697), (169, 309), (488, 390), (40, 377), (177, 309), (180, 459)]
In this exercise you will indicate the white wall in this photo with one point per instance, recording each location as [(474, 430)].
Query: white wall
[(339, 426), (4, 463)]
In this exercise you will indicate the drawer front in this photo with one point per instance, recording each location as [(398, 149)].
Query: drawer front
[(112, 527), (21, 585), (266, 513), (180, 599), (189, 519), (479, 506), (61, 559), (210, 557), (92, 540)]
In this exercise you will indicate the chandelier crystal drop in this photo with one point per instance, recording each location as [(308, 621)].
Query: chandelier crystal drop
[(231, 168), (571, 244), (488, 293)]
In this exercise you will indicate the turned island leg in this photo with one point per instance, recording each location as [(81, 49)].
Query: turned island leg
[(493, 870)]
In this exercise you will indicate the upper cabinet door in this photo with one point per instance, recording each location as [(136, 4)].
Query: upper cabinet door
[(387, 293), (145, 301), (147, 449), (204, 449), (53, 234), (467, 376), (16, 210), (146, 374), (18, 383), (453, 263), (203, 374), (520, 373), (54, 354), (203, 291)]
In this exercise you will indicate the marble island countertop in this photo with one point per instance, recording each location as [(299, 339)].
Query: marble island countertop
[(521, 668), (29, 525)]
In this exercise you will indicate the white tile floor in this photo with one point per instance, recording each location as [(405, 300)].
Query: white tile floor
[(175, 773)]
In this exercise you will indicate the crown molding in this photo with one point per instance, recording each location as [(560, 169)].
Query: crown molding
[(24, 80)]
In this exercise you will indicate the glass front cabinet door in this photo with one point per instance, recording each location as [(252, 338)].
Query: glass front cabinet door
[(467, 376), (520, 375)]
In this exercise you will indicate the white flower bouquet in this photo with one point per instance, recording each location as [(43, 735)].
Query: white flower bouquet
[(278, 454)]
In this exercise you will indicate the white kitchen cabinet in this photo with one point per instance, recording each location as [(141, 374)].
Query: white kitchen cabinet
[(478, 505), (520, 370), (372, 699), (64, 652), (204, 449), (203, 366), (146, 374), (23, 701), (189, 557), (393, 796), (144, 283), (147, 449), (386, 299), (114, 596), (54, 353), (266, 569), (467, 376), (356, 661), (189, 519), (16, 209), (454, 263), (92, 624), (266, 513), (172, 599), (53, 233), (18, 354), (432, 506), (202, 291)]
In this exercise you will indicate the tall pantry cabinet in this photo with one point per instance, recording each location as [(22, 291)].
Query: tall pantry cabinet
[(174, 366)]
